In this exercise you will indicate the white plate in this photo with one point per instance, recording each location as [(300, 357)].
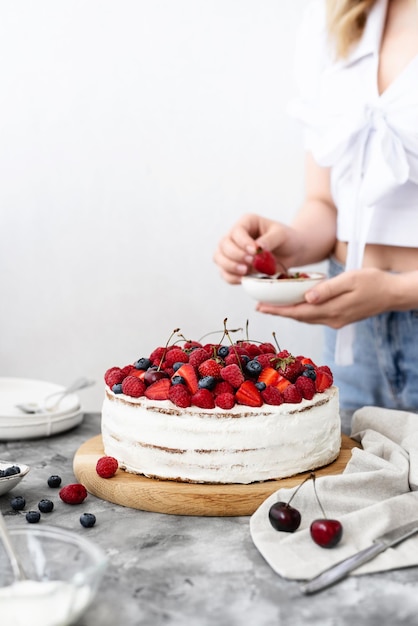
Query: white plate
[(8, 482), (280, 292), (44, 426)]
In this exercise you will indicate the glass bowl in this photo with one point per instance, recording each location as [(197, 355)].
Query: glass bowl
[(280, 291), (64, 571)]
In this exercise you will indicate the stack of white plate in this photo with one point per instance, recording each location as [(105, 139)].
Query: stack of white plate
[(15, 424)]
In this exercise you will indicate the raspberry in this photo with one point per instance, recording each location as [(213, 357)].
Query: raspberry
[(175, 355), (133, 386), (156, 356), (107, 466), (74, 493), (292, 395), (273, 396), (306, 387), (179, 395), (233, 375), (210, 368), (222, 387), (267, 348), (267, 359), (225, 400), (197, 357), (114, 376), (292, 370), (203, 398), (327, 370)]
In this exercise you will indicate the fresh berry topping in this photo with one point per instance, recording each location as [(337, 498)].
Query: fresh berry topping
[(158, 390), (178, 380), (267, 348), (292, 394), (188, 372), (253, 368), (223, 387), (207, 382), (133, 386), (117, 388), (225, 400), (264, 262), (18, 503), (180, 396), (271, 395), (223, 351), (87, 520), (248, 394), (203, 398), (142, 363), (176, 355), (197, 357), (306, 387), (33, 517), (260, 386), (157, 355), (54, 481), (267, 359), (269, 376), (45, 506), (107, 466), (233, 375), (114, 376), (323, 380), (210, 367), (74, 493), (282, 383)]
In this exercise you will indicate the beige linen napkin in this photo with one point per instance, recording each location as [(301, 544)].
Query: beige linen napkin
[(377, 492)]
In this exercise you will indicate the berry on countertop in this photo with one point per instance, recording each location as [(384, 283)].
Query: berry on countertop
[(45, 506), (107, 466), (33, 517), (18, 503), (54, 481), (74, 493), (87, 520)]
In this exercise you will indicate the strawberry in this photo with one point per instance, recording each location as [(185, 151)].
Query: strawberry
[(203, 398), (282, 383), (210, 367), (188, 372), (248, 394), (233, 375), (264, 262), (326, 369), (73, 494), (133, 386), (269, 376), (225, 400), (158, 390), (107, 466), (179, 395), (271, 395), (292, 394), (306, 387), (323, 380), (292, 370)]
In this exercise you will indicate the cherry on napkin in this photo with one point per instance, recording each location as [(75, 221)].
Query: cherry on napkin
[(377, 492)]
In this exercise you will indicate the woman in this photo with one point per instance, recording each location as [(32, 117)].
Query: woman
[(357, 71)]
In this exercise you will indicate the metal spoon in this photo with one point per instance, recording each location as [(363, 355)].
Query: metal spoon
[(46, 406), (18, 571)]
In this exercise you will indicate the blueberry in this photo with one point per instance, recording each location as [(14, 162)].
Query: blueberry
[(142, 364), (309, 373), (177, 365), (45, 506), (207, 382), (260, 386), (2, 473), (18, 503), (223, 351), (12, 470), (54, 481), (87, 520), (178, 380), (117, 388), (253, 367), (33, 517)]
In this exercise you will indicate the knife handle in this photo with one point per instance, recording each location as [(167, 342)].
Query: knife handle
[(339, 571)]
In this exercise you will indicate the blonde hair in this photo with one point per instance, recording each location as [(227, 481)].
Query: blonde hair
[(346, 20)]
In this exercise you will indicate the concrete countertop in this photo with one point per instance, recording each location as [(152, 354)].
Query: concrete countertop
[(197, 571)]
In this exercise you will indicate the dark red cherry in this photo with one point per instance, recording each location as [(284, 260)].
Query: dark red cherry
[(152, 375), (326, 532), (284, 517)]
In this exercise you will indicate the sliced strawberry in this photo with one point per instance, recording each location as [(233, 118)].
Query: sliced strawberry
[(188, 372), (248, 394), (137, 373), (269, 376), (323, 380), (282, 383), (158, 390), (264, 262)]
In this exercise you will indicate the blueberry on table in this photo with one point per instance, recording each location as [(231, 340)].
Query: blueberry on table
[(45, 506), (18, 503), (33, 517), (54, 481), (87, 520)]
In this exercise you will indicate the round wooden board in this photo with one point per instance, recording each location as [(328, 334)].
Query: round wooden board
[(167, 496)]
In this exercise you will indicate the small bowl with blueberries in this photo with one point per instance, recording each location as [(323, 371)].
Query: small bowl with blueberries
[(11, 474)]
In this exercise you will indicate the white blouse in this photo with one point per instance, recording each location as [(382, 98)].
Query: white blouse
[(369, 140)]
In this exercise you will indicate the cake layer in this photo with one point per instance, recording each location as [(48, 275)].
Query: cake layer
[(240, 445)]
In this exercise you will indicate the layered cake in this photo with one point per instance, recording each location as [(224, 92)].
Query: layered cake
[(241, 412)]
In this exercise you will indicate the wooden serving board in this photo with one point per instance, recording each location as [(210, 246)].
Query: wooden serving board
[(167, 496)]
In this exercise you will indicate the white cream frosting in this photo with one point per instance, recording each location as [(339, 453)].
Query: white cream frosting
[(240, 445)]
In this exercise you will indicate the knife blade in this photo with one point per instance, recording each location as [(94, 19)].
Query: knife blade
[(340, 570)]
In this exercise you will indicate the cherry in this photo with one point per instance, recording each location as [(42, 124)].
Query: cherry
[(152, 375), (326, 532), (284, 517)]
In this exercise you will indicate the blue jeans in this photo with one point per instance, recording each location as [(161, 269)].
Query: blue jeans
[(385, 369)]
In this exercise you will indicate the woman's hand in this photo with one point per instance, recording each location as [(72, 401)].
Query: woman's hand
[(347, 298), (235, 252)]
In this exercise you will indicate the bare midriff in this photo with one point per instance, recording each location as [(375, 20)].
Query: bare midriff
[(388, 258)]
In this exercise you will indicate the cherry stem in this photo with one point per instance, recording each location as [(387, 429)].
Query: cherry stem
[(176, 330), (316, 495), (226, 333), (275, 341), (299, 486)]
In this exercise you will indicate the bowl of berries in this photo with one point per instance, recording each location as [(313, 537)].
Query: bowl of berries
[(10, 475), (274, 284), (63, 571)]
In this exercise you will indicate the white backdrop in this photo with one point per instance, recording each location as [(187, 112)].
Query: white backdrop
[(133, 133)]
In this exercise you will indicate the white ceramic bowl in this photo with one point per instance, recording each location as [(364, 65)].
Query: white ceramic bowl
[(8, 482), (64, 571), (280, 291)]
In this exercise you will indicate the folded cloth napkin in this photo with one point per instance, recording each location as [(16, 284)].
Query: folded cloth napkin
[(377, 491)]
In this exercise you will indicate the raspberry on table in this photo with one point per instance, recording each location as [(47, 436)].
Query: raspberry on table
[(107, 466), (74, 493)]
